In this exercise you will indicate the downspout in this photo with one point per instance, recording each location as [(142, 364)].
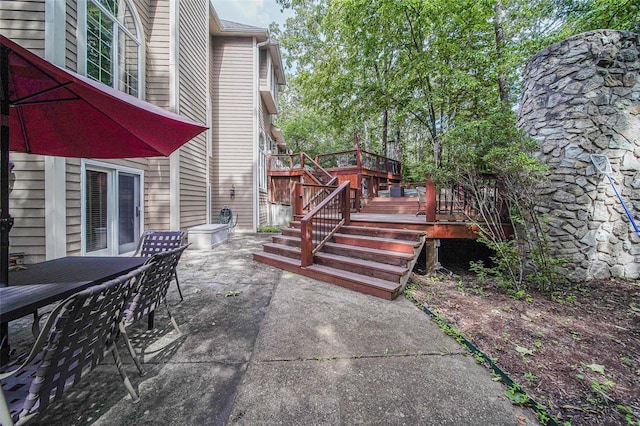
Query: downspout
[(256, 131)]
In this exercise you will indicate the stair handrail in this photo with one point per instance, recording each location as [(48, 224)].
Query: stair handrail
[(330, 184), (319, 168), (320, 224)]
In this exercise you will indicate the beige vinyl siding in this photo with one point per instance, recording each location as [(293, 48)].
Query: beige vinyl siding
[(71, 42), (72, 165), (213, 164), (23, 22), (264, 199), (263, 66), (233, 126), (157, 202), (142, 8), (74, 207), (192, 103), (26, 205), (263, 126)]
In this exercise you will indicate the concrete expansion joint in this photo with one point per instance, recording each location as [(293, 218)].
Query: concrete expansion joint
[(361, 356)]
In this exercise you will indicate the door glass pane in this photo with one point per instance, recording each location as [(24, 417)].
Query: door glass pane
[(96, 210), (126, 210)]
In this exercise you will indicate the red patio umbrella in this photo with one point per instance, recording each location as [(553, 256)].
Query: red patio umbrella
[(51, 111)]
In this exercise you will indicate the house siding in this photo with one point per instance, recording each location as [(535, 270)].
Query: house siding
[(71, 45), (263, 206), (158, 86), (192, 103), (233, 121), (23, 22)]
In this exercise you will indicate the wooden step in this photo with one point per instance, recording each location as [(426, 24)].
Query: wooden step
[(374, 242), (410, 202), (393, 200), (291, 232), (282, 262), (368, 285), (282, 250), (286, 240), (390, 209), (368, 253), (399, 234), (363, 267)]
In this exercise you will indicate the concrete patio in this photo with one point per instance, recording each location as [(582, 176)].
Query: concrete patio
[(260, 346)]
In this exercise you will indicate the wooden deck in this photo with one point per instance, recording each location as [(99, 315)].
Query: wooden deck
[(438, 229)]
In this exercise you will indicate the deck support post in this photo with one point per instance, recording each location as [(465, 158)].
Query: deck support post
[(431, 251)]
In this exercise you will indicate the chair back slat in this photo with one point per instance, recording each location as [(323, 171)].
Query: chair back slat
[(74, 340), (151, 289), (158, 241)]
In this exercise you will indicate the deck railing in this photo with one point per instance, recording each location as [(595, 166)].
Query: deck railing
[(324, 219), (300, 162), (360, 159), (455, 202)]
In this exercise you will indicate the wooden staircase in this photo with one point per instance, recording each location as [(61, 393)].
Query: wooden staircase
[(391, 205), (376, 261)]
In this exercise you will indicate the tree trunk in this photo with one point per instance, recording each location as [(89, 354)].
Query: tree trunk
[(385, 131), (499, 31)]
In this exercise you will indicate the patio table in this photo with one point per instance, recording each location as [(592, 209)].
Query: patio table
[(48, 282)]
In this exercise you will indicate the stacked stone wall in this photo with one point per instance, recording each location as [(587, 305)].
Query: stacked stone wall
[(581, 96)]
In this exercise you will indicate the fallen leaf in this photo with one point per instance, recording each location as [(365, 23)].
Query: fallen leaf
[(596, 367), (524, 351)]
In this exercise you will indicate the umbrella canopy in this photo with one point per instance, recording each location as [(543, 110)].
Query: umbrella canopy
[(51, 111)]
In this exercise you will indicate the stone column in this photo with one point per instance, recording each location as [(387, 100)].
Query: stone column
[(581, 96)]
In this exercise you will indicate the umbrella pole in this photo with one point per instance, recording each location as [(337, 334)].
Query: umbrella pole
[(5, 219)]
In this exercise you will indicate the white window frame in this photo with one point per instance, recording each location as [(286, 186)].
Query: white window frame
[(82, 42), (113, 171)]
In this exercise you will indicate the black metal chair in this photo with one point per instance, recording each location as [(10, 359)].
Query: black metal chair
[(149, 292), (152, 242), (77, 335)]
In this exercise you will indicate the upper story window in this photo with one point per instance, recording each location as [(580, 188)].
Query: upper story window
[(113, 45)]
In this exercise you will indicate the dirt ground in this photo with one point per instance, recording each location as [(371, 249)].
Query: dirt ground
[(577, 353)]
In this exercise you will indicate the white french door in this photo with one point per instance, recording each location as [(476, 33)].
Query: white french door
[(112, 209)]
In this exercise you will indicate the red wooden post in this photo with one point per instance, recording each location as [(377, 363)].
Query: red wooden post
[(359, 159), (346, 204), (430, 200), (306, 243), (297, 198)]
